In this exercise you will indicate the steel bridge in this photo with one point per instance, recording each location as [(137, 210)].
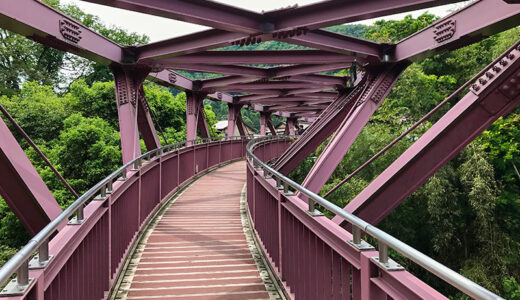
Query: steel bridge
[(172, 223)]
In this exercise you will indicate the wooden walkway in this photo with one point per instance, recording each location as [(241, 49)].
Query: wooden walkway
[(197, 248)]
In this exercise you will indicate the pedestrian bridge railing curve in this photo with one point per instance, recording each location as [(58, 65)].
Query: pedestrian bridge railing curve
[(315, 258), (81, 252)]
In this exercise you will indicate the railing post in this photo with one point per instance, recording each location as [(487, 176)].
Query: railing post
[(78, 219), (110, 187), (312, 209), (357, 242), (18, 286), (383, 252), (383, 260)]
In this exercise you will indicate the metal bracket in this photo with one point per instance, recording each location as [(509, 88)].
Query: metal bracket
[(75, 221), (35, 262), (362, 246), (13, 289), (99, 198), (391, 265), (315, 213)]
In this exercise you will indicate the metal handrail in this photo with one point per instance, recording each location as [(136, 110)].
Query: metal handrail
[(384, 239), (19, 262)]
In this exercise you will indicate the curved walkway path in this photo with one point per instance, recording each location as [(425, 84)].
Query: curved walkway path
[(200, 247)]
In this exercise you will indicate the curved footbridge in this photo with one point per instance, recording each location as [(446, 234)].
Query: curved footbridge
[(200, 246)]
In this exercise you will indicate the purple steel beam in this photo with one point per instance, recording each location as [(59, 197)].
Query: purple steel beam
[(169, 78), (327, 122), (258, 95), (262, 72), (207, 13), (145, 123), (221, 69), (337, 80), (257, 57), (43, 24), (290, 124), (329, 13), (128, 82), (240, 124), (306, 91), (297, 108), (233, 118), (290, 99), (263, 121), (346, 134), (229, 80), (192, 43), (202, 124), (215, 38), (495, 94), (472, 23), (309, 69), (193, 106), (270, 125), (338, 43), (22, 187), (278, 85)]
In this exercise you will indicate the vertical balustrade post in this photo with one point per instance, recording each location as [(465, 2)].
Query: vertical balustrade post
[(22, 275), (383, 252), (79, 216), (43, 253), (312, 209)]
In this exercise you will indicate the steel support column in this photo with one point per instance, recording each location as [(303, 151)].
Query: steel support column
[(291, 123), (194, 116), (351, 127), (129, 81), (495, 94), (22, 187), (263, 121), (234, 118)]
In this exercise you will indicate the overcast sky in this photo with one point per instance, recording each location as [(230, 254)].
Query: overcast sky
[(158, 28)]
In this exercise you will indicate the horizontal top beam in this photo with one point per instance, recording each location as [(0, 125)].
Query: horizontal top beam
[(334, 12), (468, 25), (258, 57), (43, 24), (207, 13)]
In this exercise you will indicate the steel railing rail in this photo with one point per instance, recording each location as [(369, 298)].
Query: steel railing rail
[(19, 262), (384, 240)]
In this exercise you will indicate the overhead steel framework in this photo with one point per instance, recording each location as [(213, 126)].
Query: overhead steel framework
[(293, 84)]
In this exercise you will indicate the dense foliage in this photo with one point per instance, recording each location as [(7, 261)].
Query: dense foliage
[(466, 215)]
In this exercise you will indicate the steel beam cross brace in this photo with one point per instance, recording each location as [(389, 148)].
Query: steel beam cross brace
[(496, 93)]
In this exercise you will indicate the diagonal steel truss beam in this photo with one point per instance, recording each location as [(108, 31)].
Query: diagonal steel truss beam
[(350, 128), (495, 94), (22, 187), (327, 122), (145, 123)]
